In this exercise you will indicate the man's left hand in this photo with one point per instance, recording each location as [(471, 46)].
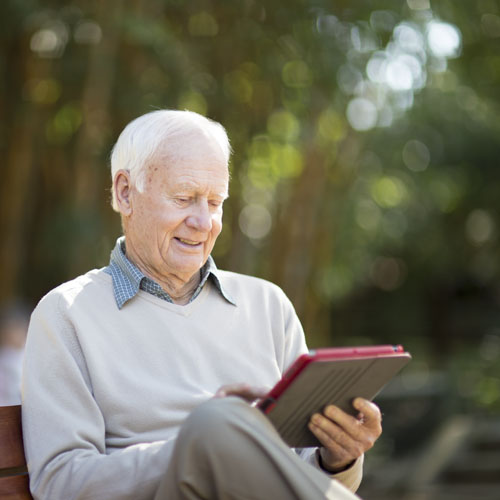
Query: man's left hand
[(247, 392), (344, 437)]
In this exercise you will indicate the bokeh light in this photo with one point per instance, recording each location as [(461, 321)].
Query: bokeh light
[(416, 155), (479, 227), (362, 114), (444, 39), (255, 221)]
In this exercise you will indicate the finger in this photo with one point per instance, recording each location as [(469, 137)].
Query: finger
[(370, 417), (352, 433), (244, 391), (368, 422), (370, 411), (250, 392), (232, 390), (349, 424), (336, 449), (335, 438)]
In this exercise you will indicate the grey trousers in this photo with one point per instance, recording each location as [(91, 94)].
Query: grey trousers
[(228, 450)]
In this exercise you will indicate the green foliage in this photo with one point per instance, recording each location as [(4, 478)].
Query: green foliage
[(365, 138)]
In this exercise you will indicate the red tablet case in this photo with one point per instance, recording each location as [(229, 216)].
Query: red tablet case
[(328, 376)]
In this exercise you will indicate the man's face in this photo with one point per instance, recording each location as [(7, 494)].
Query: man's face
[(176, 219)]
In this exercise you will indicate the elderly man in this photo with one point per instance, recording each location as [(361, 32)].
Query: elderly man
[(138, 376)]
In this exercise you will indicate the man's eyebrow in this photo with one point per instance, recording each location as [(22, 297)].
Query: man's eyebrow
[(224, 195)]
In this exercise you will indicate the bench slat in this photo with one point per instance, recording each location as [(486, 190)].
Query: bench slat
[(14, 480), (15, 488), (11, 440)]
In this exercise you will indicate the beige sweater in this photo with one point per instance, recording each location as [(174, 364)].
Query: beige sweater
[(105, 390)]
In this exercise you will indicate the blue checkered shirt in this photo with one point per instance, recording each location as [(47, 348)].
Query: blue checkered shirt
[(128, 279)]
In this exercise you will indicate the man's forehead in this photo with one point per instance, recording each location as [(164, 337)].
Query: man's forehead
[(192, 173), (192, 145)]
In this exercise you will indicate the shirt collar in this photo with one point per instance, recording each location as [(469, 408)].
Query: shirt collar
[(128, 279)]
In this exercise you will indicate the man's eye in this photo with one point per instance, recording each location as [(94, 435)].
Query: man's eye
[(215, 203), (182, 201)]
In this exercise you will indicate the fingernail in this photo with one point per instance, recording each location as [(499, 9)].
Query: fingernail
[(358, 403), (329, 411)]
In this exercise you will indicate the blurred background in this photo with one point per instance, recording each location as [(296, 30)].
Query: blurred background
[(365, 182)]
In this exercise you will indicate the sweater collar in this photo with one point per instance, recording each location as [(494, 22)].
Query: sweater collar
[(128, 279)]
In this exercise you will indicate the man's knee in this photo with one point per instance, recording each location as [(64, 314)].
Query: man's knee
[(216, 415), (222, 426)]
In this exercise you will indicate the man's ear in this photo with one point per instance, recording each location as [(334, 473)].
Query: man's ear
[(122, 186)]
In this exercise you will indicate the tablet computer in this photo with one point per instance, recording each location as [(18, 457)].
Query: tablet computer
[(328, 376)]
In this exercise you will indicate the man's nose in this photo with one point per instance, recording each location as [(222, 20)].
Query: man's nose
[(200, 218)]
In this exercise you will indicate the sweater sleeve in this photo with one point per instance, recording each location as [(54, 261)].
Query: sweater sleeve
[(350, 478), (64, 429)]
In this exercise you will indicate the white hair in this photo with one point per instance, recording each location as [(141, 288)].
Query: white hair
[(175, 132)]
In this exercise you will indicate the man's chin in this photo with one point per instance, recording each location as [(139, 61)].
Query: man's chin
[(188, 267)]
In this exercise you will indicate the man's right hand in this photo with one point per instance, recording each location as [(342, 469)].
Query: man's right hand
[(245, 391)]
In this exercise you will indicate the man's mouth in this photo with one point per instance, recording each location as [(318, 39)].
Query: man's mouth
[(189, 242)]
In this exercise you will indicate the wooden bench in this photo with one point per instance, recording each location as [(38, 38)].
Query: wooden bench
[(14, 480)]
